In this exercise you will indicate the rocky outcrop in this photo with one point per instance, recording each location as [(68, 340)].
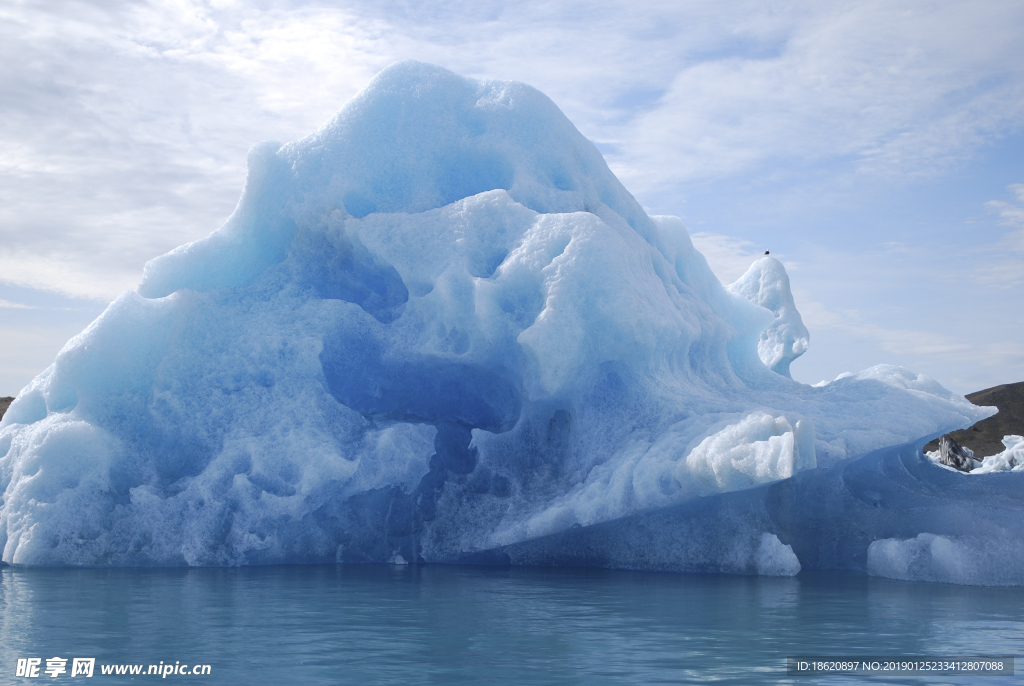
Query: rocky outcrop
[(954, 455), (986, 437)]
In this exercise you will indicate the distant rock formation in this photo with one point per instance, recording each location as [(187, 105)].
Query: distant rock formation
[(4, 404), (986, 437)]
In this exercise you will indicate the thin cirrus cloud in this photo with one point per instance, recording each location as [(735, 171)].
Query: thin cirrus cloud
[(1012, 214), (728, 256), (128, 129), (1003, 267), (124, 126), (902, 88)]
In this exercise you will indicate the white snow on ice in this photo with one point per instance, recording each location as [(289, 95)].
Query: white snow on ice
[(1009, 460)]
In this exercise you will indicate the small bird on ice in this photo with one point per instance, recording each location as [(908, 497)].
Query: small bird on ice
[(765, 252)]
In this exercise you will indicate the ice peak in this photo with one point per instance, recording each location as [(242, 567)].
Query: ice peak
[(767, 284), (417, 137), (420, 137)]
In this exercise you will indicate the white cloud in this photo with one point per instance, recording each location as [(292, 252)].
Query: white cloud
[(1004, 267), (818, 317), (124, 126), (728, 256), (903, 87), (1009, 213), (1012, 214), (27, 351)]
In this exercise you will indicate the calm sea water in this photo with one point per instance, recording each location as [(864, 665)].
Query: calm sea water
[(454, 625)]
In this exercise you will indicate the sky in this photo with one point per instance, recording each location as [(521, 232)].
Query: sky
[(876, 148)]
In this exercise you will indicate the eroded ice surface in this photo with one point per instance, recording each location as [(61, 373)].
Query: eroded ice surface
[(437, 325), (786, 338), (890, 513), (976, 560)]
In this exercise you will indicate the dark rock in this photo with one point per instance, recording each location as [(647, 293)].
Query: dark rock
[(4, 404), (954, 455), (986, 437)]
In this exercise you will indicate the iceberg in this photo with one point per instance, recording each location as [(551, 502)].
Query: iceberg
[(435, 330)]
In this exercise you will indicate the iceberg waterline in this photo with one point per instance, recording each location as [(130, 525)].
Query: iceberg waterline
[(435, 327), (889, 513)]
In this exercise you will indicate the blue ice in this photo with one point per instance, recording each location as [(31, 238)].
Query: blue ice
[(438, 326)]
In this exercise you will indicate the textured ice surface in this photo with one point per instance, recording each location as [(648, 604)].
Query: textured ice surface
[(976, 560), (1011, 459), (890, 513), (436, 326), (756, 449), (767, 284), (775, 558)]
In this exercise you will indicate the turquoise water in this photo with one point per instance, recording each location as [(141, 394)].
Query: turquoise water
[(454, 625)]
